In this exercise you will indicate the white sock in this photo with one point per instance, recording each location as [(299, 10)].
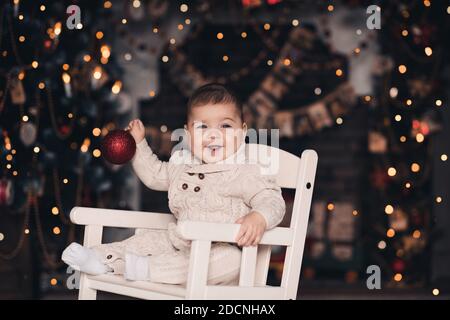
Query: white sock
[(136, 267), (83, 259)]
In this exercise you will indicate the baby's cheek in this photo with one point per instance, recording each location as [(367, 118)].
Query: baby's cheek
[(230, 137), (196, 145), (198, 152), (232, 145)]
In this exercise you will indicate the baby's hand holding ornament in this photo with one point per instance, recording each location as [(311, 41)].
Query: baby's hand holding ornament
[(137, 130), (119, 146)]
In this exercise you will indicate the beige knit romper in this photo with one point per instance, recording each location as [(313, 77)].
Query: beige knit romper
[(220, 192)]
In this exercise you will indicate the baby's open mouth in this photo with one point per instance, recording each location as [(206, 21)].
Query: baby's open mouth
[(214, 148)]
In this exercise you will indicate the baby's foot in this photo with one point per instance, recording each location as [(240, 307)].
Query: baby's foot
[(83, 259), (136, 267)]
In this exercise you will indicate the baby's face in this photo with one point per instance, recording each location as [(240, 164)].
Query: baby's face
[(215, 131)]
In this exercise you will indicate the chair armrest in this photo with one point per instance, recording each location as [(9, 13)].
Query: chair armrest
[(120, 218), (227, 232)]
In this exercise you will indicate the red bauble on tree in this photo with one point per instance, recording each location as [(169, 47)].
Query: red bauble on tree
[(118, 147), (6, 192), (398, 265)]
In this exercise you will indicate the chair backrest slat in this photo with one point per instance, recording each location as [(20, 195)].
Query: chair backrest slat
[(277, 162), (299, 222), (291, 172), (248, 267)]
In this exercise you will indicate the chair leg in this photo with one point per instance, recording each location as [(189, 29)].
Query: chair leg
[(92, 237), (86, 293)]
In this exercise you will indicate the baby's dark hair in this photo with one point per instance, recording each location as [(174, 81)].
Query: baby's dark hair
[(214, 93)]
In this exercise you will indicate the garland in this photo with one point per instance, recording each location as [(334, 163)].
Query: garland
[(261, 108)]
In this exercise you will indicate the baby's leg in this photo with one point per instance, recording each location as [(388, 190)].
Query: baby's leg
[(149, 242), (111, 256), (224, 265), (172, 268)]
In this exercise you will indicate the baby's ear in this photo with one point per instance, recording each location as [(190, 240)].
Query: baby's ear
[(244, 128), (186, 131)]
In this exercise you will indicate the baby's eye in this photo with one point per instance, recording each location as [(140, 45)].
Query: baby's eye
[(201, 126), (226, 125)]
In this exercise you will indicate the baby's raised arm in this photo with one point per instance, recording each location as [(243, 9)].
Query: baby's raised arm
[(153, 172)]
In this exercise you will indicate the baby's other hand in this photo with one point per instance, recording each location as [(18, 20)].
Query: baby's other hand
[(137, 130), (252, 229)]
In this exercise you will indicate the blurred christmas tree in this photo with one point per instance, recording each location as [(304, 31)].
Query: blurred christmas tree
[(404, 114), (60, 92)]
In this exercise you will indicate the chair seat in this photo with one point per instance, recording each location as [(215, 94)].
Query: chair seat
[(138, 289)]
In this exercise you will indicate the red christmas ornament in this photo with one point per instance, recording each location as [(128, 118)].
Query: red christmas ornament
[(6, 192), (379, 178), (65, 129), (118, 147), (398, 266)]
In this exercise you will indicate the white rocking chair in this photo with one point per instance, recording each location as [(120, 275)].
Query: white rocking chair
[(293, 172)]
